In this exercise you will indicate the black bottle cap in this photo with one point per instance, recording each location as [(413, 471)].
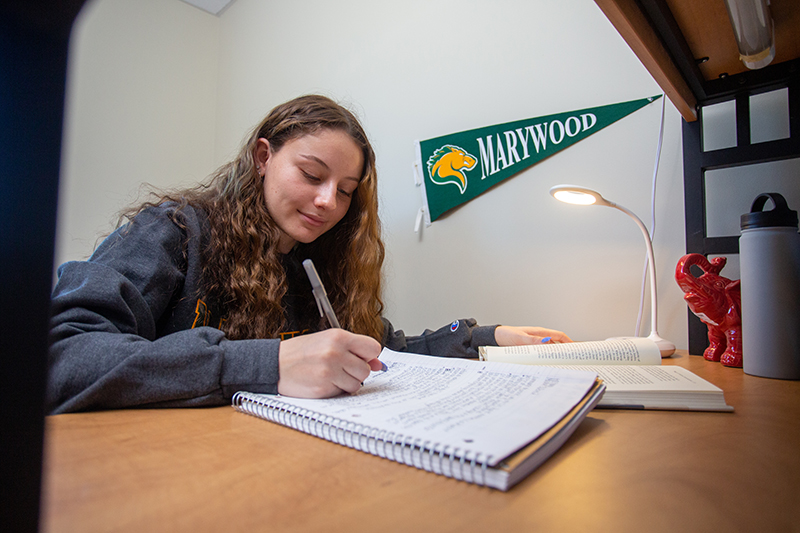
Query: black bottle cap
[(781, 215)]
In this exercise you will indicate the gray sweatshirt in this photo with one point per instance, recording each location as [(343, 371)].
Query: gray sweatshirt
[(130, 327)]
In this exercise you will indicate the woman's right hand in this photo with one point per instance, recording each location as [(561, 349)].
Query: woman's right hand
[(326, 363)]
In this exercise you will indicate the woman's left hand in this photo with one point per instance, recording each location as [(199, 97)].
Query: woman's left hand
[(517, 336)]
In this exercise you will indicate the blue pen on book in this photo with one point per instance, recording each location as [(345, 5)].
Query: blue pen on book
[(321, 296)]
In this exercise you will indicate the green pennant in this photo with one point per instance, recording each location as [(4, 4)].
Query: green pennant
[(458, 167)]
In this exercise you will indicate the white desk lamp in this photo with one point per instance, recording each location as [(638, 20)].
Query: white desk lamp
[(573, 194)]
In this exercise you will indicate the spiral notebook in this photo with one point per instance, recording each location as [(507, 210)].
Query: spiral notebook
[(481, 422)]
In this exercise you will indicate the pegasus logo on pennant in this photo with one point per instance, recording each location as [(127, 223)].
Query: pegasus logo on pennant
[(448, 164)]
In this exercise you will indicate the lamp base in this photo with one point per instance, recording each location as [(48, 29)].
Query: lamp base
[(664, 346)]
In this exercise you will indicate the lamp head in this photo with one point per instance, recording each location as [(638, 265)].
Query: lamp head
[(573, 194)]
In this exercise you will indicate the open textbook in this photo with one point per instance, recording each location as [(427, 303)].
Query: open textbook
[(486, 423), (630, 368)]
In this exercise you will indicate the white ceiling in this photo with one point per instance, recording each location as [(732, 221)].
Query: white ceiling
[(215, 7)]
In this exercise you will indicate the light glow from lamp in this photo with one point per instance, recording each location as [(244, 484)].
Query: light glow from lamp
[(573, 194)]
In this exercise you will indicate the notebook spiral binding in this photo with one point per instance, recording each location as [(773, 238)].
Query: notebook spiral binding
[(463, 465)]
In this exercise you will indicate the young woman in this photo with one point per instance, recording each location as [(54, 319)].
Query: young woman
[(202, 292)]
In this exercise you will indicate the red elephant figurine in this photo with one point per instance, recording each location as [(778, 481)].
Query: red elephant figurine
[(717, 302)]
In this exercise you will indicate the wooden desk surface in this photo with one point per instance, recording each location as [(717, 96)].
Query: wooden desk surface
[(216, 469)]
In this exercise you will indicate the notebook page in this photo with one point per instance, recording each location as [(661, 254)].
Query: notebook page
[(492, 408)]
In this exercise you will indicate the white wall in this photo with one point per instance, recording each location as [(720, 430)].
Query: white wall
[(416, 70), (141, 107)]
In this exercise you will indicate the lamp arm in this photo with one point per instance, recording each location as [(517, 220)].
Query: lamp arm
[(651, 267)]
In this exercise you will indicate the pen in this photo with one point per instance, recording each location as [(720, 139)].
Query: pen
[(321, 297)]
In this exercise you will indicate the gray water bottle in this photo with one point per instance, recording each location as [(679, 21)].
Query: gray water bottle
[(769, 256)]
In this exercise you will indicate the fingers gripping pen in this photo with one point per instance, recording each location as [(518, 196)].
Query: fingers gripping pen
[(324, 305)]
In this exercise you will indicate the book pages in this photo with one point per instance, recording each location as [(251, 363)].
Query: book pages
[(622, 351)]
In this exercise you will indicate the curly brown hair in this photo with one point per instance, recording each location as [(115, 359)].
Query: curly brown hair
[(242, 267)]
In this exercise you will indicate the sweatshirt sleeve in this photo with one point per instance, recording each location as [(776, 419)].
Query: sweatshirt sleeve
[(105, 351), (459, 339)]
